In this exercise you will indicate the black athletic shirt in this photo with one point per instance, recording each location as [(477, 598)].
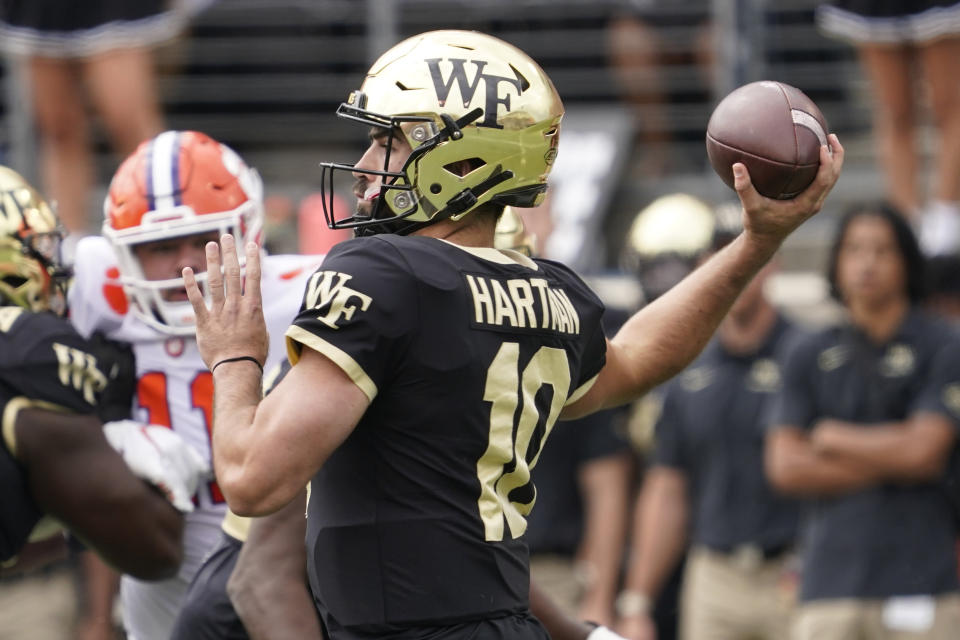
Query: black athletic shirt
[(43, 362), (468, 357), (893, 538)]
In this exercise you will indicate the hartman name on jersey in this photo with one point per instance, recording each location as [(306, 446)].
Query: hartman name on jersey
[(522, 303)]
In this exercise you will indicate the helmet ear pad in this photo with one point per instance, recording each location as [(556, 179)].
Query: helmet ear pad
[(443, 172)]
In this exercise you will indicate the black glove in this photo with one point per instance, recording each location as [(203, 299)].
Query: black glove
[(117, 361)]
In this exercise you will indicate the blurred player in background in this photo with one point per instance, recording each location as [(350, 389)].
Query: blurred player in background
[(667, 240), (429, 367), (863, 425), (175, 193), (706, 484), (57, 466)]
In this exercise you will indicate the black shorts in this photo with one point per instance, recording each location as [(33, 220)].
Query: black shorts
[(68, 28), (890, 21), (207, 613)]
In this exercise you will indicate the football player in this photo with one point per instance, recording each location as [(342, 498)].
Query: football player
[(172, 195), (429, 367), (252, 585), (56, 463)]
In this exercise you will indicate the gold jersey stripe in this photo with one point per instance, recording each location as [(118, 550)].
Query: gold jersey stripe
[(297, 337), (10, 412), (236, 526), (581, 391)]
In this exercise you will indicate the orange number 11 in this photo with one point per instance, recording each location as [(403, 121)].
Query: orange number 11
[(152, 396)]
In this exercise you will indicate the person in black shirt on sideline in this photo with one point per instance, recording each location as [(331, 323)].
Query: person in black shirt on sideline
[(864, 425), (706, 486)]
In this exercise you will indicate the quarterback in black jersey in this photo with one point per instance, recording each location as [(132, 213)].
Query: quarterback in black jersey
[(429, 367), (55, 459)]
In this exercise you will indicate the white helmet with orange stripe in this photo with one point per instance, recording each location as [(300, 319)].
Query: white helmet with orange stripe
[(180, 183)]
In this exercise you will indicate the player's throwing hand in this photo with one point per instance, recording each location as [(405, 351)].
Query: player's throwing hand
[(232, 330), (776, 219)]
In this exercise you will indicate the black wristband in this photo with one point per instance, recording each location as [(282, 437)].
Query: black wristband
[(238, 359)]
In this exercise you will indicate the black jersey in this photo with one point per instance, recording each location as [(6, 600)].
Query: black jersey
[(43, 362), (468, 357)]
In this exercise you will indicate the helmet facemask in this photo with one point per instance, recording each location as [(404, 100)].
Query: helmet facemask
[(147, 298)]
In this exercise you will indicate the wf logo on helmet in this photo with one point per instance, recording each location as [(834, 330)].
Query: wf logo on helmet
[(468, 87)]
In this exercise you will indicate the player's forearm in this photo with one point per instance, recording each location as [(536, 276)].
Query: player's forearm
[(150, 544), (794, 467), (268, 586), (665, 336), (605, 483), (660, 533), (237, 394), (905, 450), (59, 448), (101, 585)]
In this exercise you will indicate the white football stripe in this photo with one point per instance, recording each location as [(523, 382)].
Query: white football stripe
[(804, 119), (164, 146)]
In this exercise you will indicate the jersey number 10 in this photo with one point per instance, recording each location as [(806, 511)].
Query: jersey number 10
[(511, 431)]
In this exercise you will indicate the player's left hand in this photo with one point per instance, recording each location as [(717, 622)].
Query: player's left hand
[(161, 457), (770, 221), (233, 326)]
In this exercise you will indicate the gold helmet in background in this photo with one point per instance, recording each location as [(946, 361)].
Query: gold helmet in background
[(511, 234), (482, 120), (666, 240), (30, 273)]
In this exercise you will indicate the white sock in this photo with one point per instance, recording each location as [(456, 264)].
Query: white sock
[(940, 228)]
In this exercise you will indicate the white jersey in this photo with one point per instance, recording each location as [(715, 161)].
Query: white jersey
[(175, 389)]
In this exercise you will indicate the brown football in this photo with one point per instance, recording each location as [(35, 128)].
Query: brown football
[(772, 128)]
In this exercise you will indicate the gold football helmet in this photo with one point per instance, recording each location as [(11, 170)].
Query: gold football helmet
[(511, 234), (482, 120), (666, 239), (30, 271)]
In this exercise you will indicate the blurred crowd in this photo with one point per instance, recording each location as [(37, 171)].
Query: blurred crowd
[(801, 477)]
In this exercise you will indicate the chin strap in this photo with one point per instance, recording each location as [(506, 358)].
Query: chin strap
[(453, 128), (459, 203)]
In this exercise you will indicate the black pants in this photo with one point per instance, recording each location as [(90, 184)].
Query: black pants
[(207, 613)]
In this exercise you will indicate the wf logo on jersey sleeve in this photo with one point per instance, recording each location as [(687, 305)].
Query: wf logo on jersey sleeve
[(327, 291)]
